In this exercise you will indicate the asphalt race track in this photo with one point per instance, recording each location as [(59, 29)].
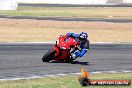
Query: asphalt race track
[(20, 60), (76, 5), (70, 19)]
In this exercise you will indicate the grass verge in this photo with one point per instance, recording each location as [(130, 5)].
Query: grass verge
[(90, 12), (64, 81)]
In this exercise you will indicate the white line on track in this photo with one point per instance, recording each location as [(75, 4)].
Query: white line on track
[(55, 75)]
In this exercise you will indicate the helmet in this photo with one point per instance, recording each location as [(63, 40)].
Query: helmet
[(83, 37)]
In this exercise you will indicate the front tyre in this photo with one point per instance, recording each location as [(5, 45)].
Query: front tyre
[(48, 56)]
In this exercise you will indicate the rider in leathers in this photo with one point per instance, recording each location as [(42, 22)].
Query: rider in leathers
[(83, 42)]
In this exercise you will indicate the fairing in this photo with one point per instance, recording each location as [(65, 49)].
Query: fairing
[(63, 47)]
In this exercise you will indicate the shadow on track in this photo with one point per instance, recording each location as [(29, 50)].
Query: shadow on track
[(73, 62), (81, 63)]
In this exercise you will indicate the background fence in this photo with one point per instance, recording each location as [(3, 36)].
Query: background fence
[(76, 1), (12, 4)]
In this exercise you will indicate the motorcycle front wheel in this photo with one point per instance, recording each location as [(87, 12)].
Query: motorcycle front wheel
[(48, 56)]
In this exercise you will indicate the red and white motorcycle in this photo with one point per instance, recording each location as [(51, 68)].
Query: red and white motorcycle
[(62, 50)]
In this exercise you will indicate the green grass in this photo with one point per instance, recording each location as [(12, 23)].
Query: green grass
[(92, 12), (63, 81)]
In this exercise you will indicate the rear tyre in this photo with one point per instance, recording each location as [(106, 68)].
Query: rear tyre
[(48, 56)]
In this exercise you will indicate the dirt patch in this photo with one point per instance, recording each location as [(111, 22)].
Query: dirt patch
[(27, 30)]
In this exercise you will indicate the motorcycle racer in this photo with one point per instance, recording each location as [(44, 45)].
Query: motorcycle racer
[(83, 44), (68, 48)]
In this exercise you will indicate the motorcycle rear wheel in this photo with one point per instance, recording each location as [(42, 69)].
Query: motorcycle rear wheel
[(48, 56)]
